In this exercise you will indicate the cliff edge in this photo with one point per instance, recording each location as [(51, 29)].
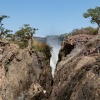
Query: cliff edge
[(77, 74), (24, 74)]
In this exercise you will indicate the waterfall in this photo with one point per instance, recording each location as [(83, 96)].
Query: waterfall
[(55, 43)]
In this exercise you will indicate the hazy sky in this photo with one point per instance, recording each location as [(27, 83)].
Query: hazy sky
[(49, 16)]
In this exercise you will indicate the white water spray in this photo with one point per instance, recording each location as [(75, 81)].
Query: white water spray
[(55, 43)]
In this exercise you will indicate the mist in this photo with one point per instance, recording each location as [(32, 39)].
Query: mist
[(55, 43)]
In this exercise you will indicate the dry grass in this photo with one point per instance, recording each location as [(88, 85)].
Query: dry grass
[(42, 47)]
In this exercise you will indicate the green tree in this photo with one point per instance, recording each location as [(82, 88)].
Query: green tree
[(26, 33), (95, 16), (3, 31)]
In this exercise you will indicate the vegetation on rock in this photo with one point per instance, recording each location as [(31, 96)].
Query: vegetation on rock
[(42, 47), (87, 30), (3, 31), (26, 34), (95, 16)]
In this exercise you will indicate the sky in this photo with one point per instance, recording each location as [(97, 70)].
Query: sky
[(51, 17)]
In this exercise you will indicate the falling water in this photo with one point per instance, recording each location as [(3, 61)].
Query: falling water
[(55, 43)]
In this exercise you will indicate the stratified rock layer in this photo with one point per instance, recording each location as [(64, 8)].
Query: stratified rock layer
[(24, 75), (77, 74)]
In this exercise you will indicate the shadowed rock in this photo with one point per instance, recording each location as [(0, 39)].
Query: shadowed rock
[(77, 74)]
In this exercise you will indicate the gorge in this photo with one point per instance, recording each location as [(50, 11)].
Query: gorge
[(55, 43), (26, 74)]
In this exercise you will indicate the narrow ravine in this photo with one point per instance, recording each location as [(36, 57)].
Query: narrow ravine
[(55, 43)]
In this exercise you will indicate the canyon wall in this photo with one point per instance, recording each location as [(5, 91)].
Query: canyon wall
[(24, 74), (77, 74)]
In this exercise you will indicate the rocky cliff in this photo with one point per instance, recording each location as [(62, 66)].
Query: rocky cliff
[(77, 74), (24, 74)]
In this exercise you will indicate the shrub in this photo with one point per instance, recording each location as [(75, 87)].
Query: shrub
[(42, 47), (87, 30)]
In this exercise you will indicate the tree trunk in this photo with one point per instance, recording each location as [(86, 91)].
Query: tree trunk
[(99, 29), (30, 43)]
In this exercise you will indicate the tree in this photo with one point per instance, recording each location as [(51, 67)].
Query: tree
[(3, 31), (95, 16), (26, 33)]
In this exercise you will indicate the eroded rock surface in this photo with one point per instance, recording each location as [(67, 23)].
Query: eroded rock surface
[(24, 75), (77, 74)]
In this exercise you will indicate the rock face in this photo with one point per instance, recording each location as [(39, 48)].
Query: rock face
[(77, 74), (24, 75)]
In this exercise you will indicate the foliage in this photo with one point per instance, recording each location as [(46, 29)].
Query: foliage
[(10, 37), (25, 34), (42, 47), (3, 31), (87, 30), (95, 16)]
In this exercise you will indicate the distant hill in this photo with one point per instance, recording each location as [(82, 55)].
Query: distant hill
[(44, 39)]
